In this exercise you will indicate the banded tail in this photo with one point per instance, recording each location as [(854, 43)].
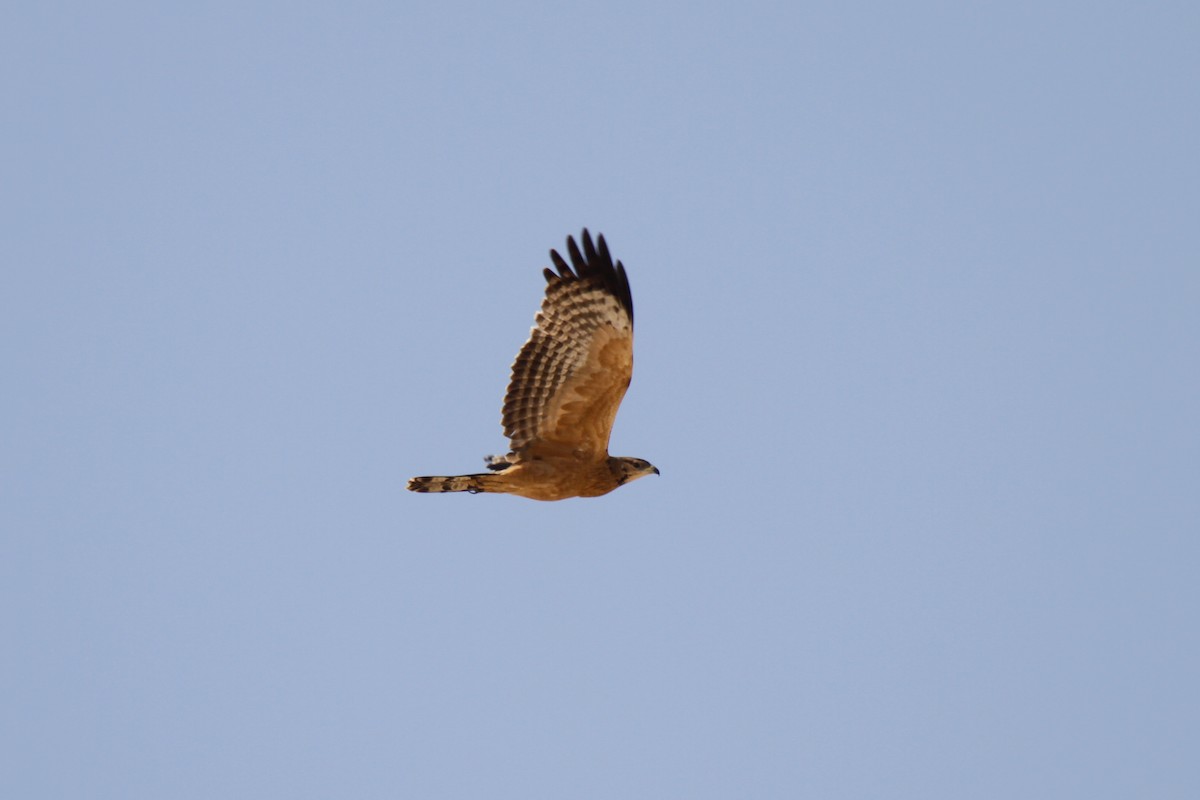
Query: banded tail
[(455, 483)]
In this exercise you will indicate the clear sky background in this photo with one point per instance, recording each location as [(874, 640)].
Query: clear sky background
[(918, 337)]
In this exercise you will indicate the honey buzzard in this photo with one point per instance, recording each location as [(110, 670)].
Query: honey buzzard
[(567, 383)]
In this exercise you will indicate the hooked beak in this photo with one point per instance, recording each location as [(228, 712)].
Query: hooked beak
[(655, 470)]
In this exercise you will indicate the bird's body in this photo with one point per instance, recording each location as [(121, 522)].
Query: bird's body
[(548, 478), (567, 383)]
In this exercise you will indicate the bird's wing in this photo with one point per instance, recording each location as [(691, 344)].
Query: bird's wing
[(569, 378)]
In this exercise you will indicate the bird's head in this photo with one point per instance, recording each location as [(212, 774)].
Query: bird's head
[(630, 469)]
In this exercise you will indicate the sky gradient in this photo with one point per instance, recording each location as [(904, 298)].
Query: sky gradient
[(917, 295)]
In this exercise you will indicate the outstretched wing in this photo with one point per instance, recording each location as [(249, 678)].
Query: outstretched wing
[(569, 378)]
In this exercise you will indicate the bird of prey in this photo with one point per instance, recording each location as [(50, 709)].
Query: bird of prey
[(567, 383)]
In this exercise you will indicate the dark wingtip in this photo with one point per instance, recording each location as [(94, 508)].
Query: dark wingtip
[(589, 249), (577, 259), (602, 248), (624, 294), (594, 261), (564, 270)]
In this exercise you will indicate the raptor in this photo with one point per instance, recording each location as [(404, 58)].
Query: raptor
[(567, 383)]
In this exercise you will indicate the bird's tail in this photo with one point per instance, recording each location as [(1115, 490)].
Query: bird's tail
[(456, 483)]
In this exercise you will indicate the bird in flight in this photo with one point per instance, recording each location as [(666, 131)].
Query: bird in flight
[(566, 386)]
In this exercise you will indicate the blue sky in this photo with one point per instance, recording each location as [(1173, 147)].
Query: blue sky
[(917, 290)]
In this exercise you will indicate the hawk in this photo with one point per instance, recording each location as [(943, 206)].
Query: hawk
[(566, 385)]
